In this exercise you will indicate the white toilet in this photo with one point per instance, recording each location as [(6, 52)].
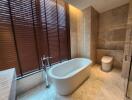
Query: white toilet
[(107, 62)]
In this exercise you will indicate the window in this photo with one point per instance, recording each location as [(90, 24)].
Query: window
[(30, 29)]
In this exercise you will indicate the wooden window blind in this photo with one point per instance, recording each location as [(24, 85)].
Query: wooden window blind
[(53, 16), (61, 13), (63, 34), (53, 38), (8, 56), (37, 27), (43, 35), (30, 29), (24, 31), (63, 43)]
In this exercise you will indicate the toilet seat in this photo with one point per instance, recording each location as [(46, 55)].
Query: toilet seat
[(107, 59)]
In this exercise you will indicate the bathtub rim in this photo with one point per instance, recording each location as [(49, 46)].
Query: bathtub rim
[(72, 74)]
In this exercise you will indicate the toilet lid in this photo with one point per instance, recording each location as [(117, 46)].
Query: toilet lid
[(107, 59)]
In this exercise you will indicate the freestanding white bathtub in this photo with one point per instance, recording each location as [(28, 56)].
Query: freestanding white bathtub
[(68, 75)]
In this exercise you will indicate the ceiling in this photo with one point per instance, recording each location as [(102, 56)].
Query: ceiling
[(99, 5)]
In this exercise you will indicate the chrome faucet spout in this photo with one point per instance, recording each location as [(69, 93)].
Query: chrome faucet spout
[(47, 59), (45, 70)]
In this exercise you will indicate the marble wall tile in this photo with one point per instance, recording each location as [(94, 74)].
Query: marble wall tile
[(83, 30), (91, 30), (112, 28), (128, 46), (91, 18), (74, 29), (116, 54), (112, 34)]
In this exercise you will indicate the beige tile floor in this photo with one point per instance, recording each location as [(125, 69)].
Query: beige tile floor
[(99, 86), (129, 92)]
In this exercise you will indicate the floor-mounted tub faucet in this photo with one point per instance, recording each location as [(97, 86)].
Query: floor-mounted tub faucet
[(45, 65), (47, 59)]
